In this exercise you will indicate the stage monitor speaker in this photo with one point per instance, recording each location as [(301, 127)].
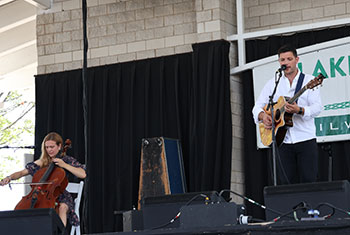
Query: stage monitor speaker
[(32, 221), (284, 198), (132, 220), (209, 215), (161, 168), (160, 210)]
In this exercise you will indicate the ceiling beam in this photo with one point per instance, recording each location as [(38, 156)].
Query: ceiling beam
[(17, 36), (4, 2), (43, 4), (17, 48), (17, 23), (18, 59), (19, 79), (15, 14)]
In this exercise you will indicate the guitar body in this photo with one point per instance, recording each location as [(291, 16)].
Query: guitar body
[(283, 120)]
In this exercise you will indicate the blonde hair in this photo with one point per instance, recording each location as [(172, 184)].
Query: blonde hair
[(45, 158)]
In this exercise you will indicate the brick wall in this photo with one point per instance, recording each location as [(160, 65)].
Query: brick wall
[(237, 170), (125, 30), (268, 14)]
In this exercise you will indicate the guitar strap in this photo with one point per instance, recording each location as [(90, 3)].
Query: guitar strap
[(300, 82)]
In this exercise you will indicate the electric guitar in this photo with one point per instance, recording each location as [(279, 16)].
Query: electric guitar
[(283, 120)]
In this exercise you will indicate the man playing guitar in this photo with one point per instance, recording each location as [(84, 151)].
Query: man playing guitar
[(298, 149)]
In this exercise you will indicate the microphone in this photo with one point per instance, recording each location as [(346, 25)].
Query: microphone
[(283, 67)]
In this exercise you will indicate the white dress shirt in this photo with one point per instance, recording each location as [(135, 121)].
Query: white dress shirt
[(303, 125)]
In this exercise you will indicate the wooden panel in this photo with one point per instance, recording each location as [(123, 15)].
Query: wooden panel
[(161, 168)]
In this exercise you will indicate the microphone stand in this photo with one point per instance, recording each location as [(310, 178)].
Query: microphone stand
[(328, 149), (274, 147), (17, 147)]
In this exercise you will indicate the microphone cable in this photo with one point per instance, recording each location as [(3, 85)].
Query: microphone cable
[(251, 201), (334, 208), (301, 206), (179, 213)]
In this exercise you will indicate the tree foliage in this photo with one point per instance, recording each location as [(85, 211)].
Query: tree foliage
[(16, 126)]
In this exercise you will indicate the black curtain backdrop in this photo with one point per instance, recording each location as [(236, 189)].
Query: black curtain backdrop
[(258, 163), (58, 108), (184, 96), (258, 48)]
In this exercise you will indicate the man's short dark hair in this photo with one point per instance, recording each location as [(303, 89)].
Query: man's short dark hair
[(287, 48)]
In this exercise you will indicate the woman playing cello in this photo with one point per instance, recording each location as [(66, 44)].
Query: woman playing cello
[(51, 148)]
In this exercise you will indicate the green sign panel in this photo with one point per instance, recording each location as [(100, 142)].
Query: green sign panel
[(332, 125)]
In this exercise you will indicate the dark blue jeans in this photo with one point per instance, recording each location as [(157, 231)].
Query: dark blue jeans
[(298, 162)]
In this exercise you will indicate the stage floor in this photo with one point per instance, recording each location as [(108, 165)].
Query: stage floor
[(331, 226)]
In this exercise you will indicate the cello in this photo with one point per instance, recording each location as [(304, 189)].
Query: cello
[(47, 184)]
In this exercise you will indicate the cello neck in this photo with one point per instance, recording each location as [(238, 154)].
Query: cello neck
[(47, 172)]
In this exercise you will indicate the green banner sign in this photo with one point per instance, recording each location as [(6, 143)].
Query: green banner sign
[(332, 125)]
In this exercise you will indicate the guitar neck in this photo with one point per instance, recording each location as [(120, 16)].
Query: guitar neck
[(296, 96)]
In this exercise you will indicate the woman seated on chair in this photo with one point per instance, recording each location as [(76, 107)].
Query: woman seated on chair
[(51, 148)]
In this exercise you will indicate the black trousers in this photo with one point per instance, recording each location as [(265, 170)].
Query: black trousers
[(298, 162)]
